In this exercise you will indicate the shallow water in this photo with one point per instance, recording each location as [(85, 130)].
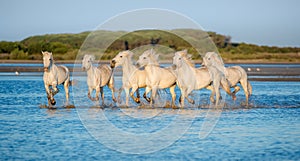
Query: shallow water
[(269, 129)]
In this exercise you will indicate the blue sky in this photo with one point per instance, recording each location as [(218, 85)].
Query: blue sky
[(262, 22)]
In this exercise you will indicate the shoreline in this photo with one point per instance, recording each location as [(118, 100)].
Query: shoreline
[(108, 61)]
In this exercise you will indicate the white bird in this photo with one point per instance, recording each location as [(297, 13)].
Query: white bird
[(257, 69), (249, 69), (17, 73)]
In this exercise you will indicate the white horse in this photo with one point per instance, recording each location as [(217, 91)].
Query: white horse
[(234, 74), (97, 78), (190, 78), (156, 76), (53, 76), (133, 78)]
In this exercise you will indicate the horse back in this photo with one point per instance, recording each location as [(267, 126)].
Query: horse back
[(235, 74), (63, 74), (105, 73)]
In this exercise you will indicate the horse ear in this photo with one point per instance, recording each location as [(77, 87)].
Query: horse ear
[(92, 58), (42, 52), (156, 56), (185, 51), (130, 54), (152, 51), (217, 59)]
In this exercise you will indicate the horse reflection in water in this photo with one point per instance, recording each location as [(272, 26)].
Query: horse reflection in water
[(190, 78), (97, 78), (132, 78), (53, 76), (156, 76), (234, 74)]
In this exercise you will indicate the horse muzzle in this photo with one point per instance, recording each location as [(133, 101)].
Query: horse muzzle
[(138, 65), (174, 66), (112, 63), (45, 69), (83, 68)]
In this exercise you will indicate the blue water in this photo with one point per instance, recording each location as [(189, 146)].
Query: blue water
[(268, 130)]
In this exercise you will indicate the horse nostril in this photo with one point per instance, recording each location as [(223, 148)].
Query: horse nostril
[(137, 65), (112, 63), (174, 66)]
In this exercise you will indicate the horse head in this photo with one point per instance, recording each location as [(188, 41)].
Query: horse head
[(47, 60), (87, 62), (120, 59), (149, 57), (180, 58), (212, 59)]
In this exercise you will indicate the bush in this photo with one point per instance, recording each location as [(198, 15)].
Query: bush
[(18, 54)]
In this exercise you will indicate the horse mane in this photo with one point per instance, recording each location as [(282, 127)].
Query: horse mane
[(92, 57), (216, 61), (186, 57), (152, 55)]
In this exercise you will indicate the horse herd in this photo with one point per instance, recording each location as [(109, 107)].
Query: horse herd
[(147, 73)]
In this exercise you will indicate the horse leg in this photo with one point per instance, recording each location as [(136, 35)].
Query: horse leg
[(50, 96), (89, 94), (189, 90), (102, 95), (127, 96), (212, 94), (216, 84), (226, 87), (66, 87), (249, 88), (236, 89), (55, 89), (181, 98), (191, 101), (173, 94), (244, 84), (153, 95), (112, 88), (133, 89), (145, 94)]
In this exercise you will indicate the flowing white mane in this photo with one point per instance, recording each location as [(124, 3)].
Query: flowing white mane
[(186, 57)]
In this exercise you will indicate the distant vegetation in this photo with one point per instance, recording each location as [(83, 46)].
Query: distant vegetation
[(66, 46)]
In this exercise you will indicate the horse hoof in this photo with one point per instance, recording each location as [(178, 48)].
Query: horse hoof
[(137, 100), (53, 102)]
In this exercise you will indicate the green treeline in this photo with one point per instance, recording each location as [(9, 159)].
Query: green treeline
[(66, 46)]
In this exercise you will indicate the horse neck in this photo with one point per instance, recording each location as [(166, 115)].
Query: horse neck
[(186, 67), (185, 70), (91, 70), (128, 67), (52, 66)]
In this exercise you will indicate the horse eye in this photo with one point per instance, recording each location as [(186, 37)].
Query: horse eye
[(144, 57), (208, 58), (179, 58), (121, 56)]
